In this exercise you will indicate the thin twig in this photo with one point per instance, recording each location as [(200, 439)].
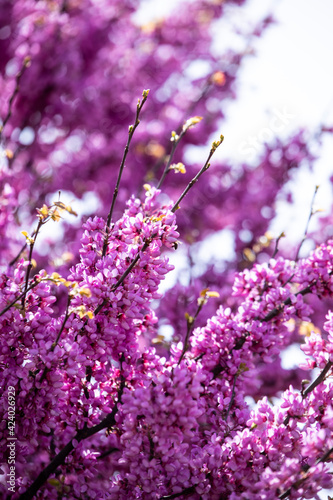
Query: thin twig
[(44, 215), (32, 244), (167, 166), (276, 249), (206, 166), (188, 112), (131, 131), (215, 145), (325, 456), (133, 264), (33, 284), (319, 379), (190, 325), (151, 447), (67, 315), (312, 212), (233, 394), (276, 311), (125, 274), (300, 481), (175, 138)]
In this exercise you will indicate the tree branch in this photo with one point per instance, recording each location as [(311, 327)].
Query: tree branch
[(32, 244), (175, 138), (124, 275), (33, 284), (312, 212), (108, 421), (275, 312), (131, 131), (318, 380), (300, 481), (206, 166), (191, 321)]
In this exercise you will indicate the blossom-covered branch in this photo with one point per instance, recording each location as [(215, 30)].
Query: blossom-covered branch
[(106, 390)]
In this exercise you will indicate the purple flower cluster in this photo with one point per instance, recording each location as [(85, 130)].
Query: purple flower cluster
[(182, 424), (65, 119), (188, 426), (56, 363), (105, 405)]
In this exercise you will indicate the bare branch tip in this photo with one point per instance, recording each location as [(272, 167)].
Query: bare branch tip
[(217, 143)]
